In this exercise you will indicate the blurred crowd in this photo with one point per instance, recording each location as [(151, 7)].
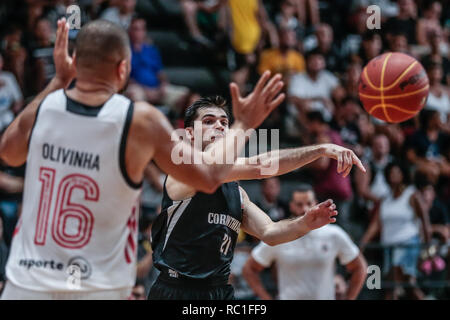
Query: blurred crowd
[(402, 203)]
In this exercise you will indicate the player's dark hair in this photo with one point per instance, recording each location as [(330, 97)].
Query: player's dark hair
[(205, 102), (101, 42)]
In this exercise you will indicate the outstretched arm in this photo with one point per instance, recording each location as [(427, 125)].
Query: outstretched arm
[(278, 162), (14, 142), (258, 224), (151, 137)]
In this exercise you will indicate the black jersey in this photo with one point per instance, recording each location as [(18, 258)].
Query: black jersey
[(196, 237)]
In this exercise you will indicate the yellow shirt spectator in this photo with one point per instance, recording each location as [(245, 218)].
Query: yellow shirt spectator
[(246, 28), (284, 63)]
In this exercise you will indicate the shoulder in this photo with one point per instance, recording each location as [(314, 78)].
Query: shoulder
[(146, 115)]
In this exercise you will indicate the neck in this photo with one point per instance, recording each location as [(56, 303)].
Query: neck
[(92, 91), (313, 75), (398, 189)]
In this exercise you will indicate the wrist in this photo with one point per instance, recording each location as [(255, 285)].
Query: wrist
[(240, 125)]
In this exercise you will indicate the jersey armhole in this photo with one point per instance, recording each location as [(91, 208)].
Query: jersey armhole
[(34, 123), (123, 145)]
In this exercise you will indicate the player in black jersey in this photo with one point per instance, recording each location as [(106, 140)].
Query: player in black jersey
[(195, 235)]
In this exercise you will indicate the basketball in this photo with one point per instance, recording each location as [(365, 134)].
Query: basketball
[(393, 87)]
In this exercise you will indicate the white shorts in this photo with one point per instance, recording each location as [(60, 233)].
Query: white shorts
[(13, 292)]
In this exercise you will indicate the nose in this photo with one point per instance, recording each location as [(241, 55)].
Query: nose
[(218, 126)]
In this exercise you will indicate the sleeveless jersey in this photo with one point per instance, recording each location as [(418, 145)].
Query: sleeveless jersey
[(78, 227), (196, 237)]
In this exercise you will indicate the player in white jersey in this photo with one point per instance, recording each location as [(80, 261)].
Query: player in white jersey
[(306, 266), (86, 150)]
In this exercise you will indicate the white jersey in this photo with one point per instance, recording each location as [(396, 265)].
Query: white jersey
[(306, 266), (78, 227)]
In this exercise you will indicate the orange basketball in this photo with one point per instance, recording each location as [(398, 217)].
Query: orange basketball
[(393, 87)]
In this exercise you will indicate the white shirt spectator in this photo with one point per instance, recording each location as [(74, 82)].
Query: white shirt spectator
[(9, 94), (113, 14), (440, 104), (398, 219), (306, 266), (302, 86)]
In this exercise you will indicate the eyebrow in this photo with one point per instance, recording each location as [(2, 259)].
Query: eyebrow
[(212, 115)]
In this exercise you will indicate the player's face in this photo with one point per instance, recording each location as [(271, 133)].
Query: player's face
[(215, 124), (300, 202)]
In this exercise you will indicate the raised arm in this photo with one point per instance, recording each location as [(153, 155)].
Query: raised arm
[(279, 162), (14, 142), (152, 136), (258, 224)]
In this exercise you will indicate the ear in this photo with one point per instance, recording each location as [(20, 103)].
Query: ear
[(122, 69)]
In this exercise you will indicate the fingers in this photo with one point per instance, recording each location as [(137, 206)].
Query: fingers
[(340, 161), (262, 82), (358, 163), (274, 91), (235, 94), (275, 103), (333, 215), (270, 85), (348, 163), (326, 204)]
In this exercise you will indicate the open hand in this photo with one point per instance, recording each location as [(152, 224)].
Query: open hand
[(254, 108), (65, 68), (320, 215)]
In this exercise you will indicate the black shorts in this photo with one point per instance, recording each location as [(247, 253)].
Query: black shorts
[(165, 290)]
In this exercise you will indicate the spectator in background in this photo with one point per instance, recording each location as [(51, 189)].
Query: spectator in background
[(429, 23), (372, 187), (328, 48), (399, 43), (399, 218), (371, 47), (3, 256), (248, 23), (312, 90), (271, 203), (351, 80), (438, 48), (306, 266), (41, 54), (190, 10), (345, 122), (405, 22), (424, 148), (14, 54), (285, 59), (149, 82), (11, 188), (327, 182), (11, 99), (121, 13), (439, 94)]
